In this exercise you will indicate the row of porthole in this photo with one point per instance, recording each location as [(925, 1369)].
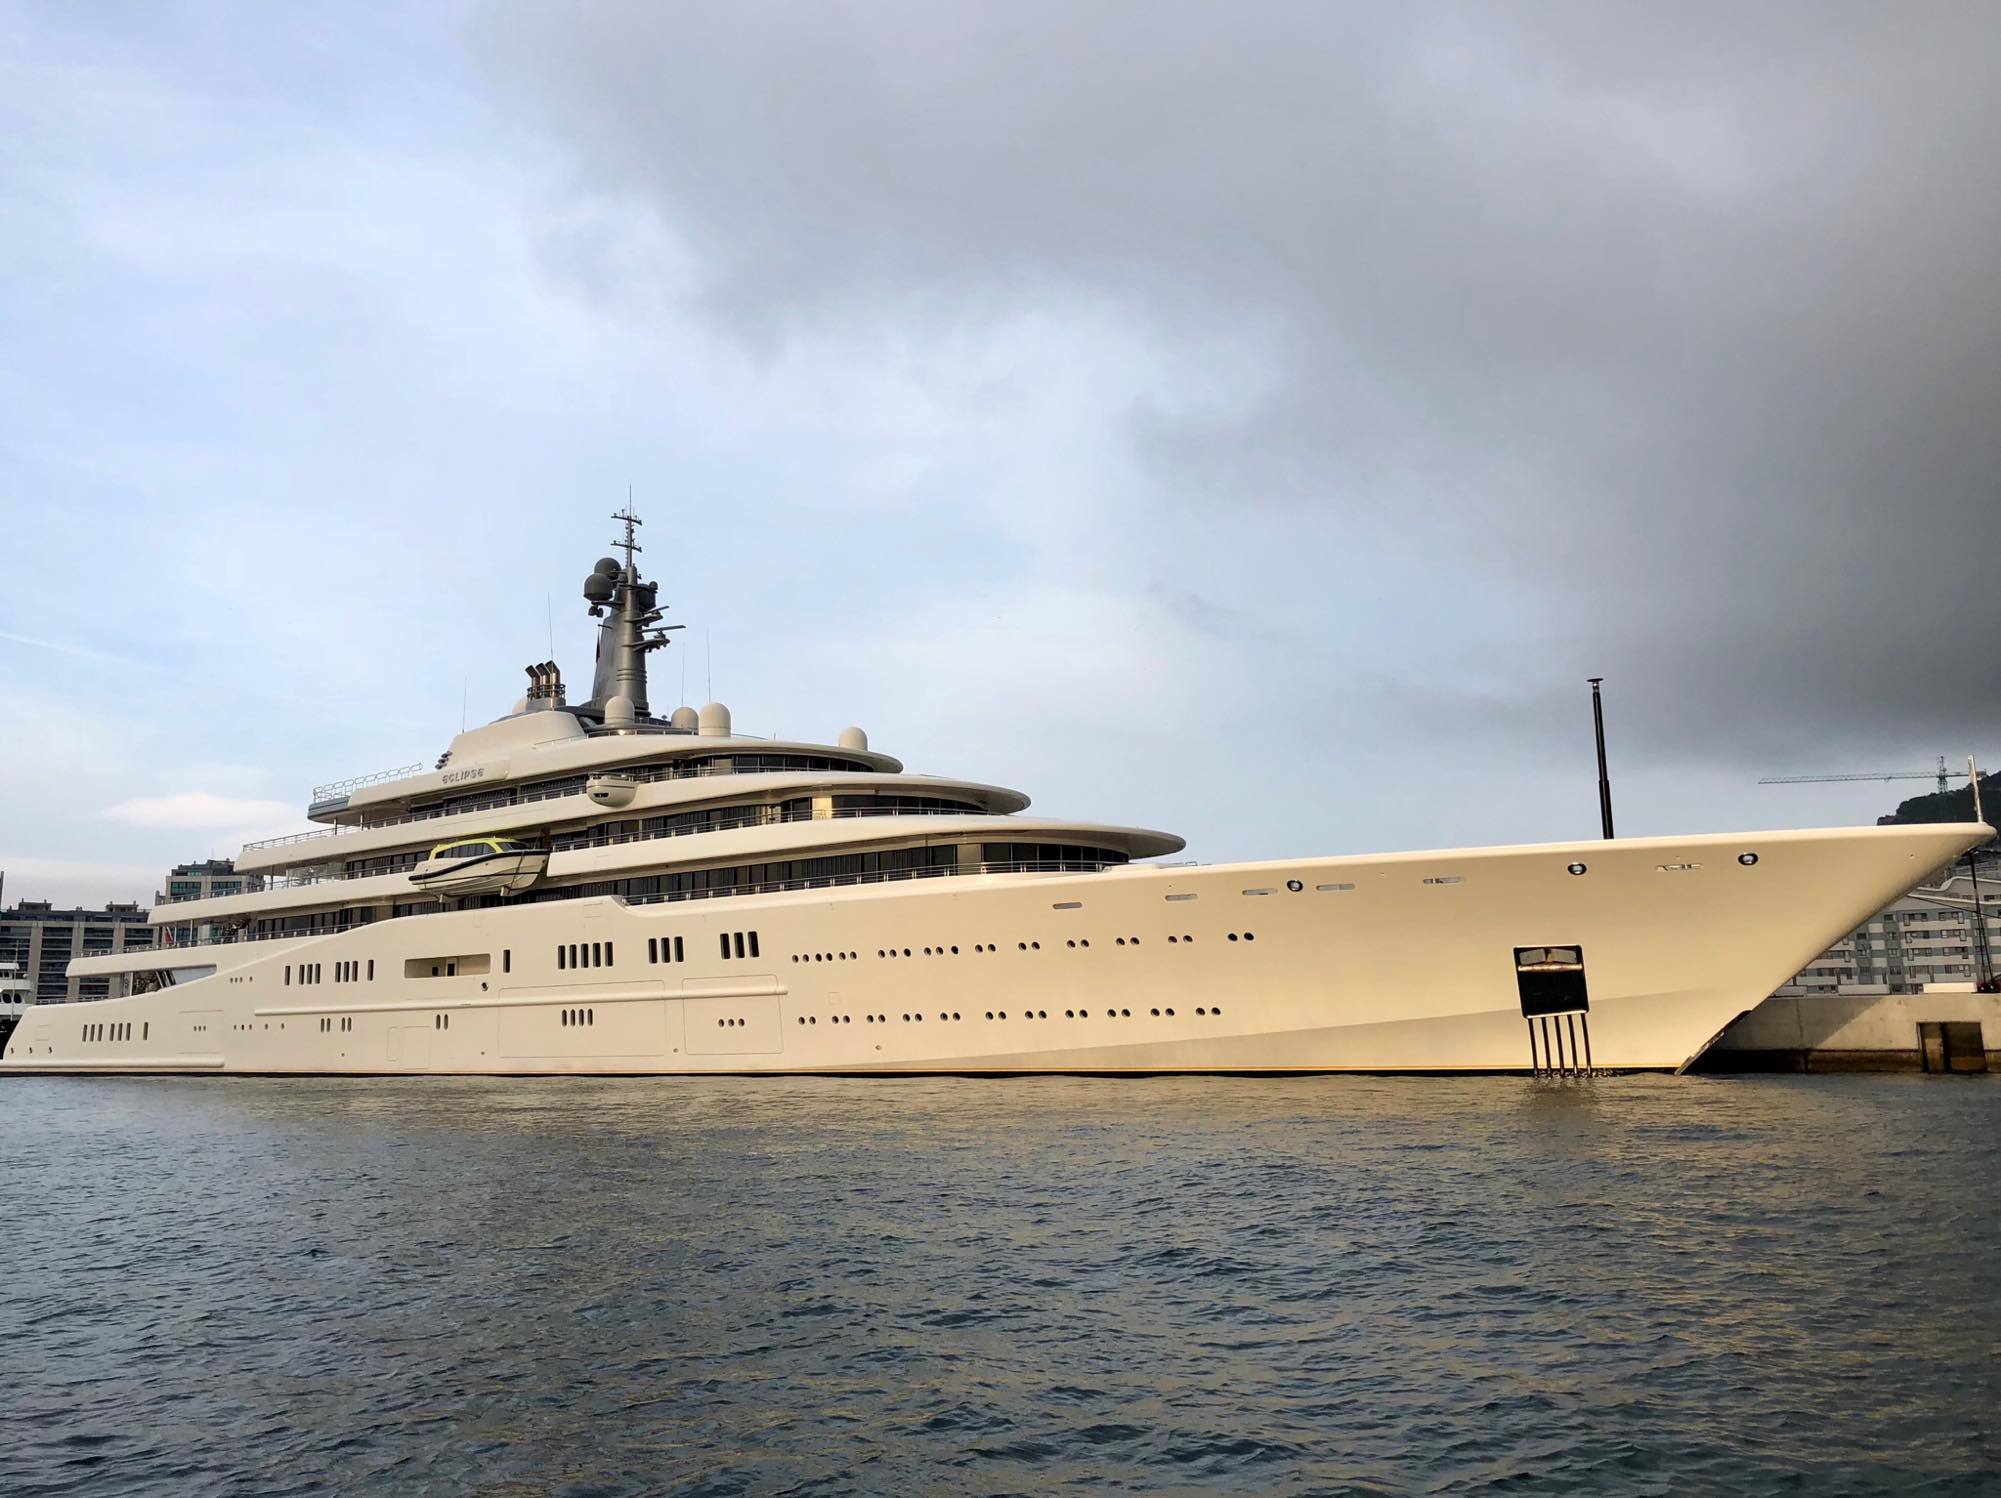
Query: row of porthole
[(580, 1016), (828, 956), (121, 1031), (327, 1025), (918, 1019), (1036, 946)]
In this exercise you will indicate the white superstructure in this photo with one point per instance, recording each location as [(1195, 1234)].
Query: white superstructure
[(699, 901)]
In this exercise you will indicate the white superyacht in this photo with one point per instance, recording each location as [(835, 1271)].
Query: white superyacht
[(589, 888)]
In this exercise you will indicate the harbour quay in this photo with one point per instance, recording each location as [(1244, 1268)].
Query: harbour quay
[(1899, 993)]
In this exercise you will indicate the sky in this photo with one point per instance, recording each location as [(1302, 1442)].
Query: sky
[(1254, 422)]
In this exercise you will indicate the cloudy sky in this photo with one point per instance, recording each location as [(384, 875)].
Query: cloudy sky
[(1254, 421)]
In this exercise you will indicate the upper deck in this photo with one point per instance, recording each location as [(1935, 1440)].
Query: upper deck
[(600, 784)]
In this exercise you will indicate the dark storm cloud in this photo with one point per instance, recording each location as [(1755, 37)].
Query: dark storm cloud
[(1678, 323)]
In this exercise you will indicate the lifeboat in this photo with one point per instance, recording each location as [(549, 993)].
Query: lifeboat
[(480, 866), (611, 789)]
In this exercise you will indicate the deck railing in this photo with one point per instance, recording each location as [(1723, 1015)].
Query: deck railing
[(579, 842), (528, 797), (765, 887), (335, 788)]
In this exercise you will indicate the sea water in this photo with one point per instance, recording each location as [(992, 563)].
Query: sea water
[(1328, 1284)]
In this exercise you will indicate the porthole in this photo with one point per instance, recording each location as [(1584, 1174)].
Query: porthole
[(1214, 1011), (1233, 936), (1250, 936), (1201, 1011), (1170, 1014), (1173, 939), (990, 1014), (1294, 885), (1577, 868), (1156, 1014), (1747, 859)]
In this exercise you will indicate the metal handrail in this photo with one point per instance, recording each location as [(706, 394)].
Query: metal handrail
[(643, 776), (335, 787), (290, 881), (825, 881)]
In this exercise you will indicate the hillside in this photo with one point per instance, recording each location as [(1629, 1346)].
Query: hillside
[(1950, 806)]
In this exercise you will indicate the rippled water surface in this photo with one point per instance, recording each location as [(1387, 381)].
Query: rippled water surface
[(820, 1286)]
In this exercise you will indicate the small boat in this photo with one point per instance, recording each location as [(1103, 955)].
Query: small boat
[(480, 866), (612, 790)]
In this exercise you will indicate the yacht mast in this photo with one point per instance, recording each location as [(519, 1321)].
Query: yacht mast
[(633, 629)]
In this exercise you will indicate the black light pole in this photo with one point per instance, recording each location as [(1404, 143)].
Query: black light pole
[(1604, 782)]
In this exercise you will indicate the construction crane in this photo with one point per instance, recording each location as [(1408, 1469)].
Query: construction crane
[(1941, 774)]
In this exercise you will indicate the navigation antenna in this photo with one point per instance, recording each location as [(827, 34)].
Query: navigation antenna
[(633, 629), (631, 545)]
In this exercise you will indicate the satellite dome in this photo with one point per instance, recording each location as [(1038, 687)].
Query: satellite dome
[(713, 722), (606, 567), (598, 588), (683, 717), (618, 712), (852, 738)]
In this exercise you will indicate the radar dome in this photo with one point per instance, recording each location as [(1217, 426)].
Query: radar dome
[(598, 588), (852, 738), (713, 722), (684, 717), (606, 567), (618, 712)]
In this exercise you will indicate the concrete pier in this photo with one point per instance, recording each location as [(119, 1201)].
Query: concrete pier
[(1947, 1029)]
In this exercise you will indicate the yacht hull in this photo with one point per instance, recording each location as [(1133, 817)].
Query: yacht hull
[(1396, 963)]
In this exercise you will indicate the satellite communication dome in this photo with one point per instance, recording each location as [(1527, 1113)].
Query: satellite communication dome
[(713, 722), (852, 738), (684, 717), (598, 588), (618, 711), (606, 567)]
